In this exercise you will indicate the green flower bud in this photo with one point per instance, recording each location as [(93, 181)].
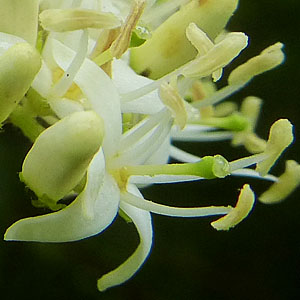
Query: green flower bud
[(18, 67), (61, 155)]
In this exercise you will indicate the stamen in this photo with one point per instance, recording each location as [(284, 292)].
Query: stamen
[(61, 20), (121, 44), (172, 99), (285, 185), (270, 58), (141, 129), (183, 156), (174, 211), (234, 122), (280, 137), (219, 95), (62, 86), (202, 43), (218, 56), (240, 212)]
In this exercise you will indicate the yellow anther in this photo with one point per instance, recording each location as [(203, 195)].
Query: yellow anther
[(285, 185), (270, 58), (218, 57), (239, 213), (280, 137), (170, 96)]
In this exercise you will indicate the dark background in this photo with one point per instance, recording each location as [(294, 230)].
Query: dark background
[(258, 259)]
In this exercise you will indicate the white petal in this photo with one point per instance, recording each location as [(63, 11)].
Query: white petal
[(64, 107), (126, 80), (99, 90), (70, 223), (142, 221)]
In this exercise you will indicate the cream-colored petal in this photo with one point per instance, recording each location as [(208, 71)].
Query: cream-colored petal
[(70, 223), (100, 92), (142, 221)]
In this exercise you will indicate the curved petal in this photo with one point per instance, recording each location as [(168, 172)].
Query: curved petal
[(99, 90), (142, 221), (70, 223)]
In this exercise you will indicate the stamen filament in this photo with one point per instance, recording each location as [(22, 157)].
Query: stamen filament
[(62, 86), (174, 211), (247, 161)]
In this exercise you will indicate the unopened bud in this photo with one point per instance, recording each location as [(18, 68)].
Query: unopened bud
[(19, 65), (61, 155)]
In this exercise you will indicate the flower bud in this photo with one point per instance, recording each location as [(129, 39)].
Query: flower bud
[(18, 67), (61, 155)]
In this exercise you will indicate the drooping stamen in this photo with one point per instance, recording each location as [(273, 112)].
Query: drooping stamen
[(240, 212), (285, 185), (174, 211)]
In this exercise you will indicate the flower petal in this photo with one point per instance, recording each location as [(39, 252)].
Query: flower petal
[(70, 223), (99, 90), (142, 221), (125, 78)]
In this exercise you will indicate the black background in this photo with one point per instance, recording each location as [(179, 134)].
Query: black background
[(259, 259)]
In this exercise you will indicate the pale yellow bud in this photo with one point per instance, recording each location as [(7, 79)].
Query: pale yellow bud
[(61, 155), (19, 65)]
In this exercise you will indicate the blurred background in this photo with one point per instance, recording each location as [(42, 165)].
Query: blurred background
[(258, 259)]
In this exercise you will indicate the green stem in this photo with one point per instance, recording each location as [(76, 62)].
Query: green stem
[(23, 118)]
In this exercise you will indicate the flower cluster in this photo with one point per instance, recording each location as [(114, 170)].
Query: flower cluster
[(103, 88)]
